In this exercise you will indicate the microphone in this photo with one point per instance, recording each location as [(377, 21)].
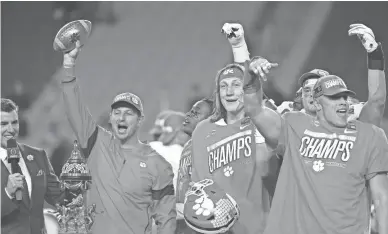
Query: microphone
[(13, 159)]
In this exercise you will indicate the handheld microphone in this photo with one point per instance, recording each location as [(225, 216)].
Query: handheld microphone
[(13, 159)]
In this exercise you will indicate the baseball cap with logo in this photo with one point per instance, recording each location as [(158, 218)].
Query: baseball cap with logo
[(313, 74), (331, 85), (131, 99)]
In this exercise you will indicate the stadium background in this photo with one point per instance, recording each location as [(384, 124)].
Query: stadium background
[(168, 53)]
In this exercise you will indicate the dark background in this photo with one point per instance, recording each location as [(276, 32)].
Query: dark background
[(169, 53)]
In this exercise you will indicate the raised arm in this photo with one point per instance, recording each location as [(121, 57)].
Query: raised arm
[(373, 110), (235, 35), (81, 121), (267, 121)]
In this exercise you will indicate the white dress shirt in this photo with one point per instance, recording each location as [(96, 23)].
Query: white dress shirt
[(23, 167), (172, 154)]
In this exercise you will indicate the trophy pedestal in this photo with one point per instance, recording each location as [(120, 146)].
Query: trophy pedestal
[(75, 221), (75, 217)]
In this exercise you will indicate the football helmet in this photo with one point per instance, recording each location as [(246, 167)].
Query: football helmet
[(208, 209)]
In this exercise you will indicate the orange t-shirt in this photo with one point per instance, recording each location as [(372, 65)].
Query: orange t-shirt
[(321, 187)]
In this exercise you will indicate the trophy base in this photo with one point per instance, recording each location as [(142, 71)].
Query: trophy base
[(76, 220), (68, 232), (73, 229), (74, 232)]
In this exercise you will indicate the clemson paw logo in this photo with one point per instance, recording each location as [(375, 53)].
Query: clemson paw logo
[(203, 206), (228, 171), (318, 166)]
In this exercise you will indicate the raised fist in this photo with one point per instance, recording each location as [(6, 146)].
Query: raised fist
[(286, 106), (70, 57), (234, 33), (261, 66), (366, 36)]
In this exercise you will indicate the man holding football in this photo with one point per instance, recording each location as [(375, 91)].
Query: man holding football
[(329, 162), (132, 184)]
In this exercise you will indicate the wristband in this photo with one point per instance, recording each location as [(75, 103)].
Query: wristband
[(70, 74), (376, 59), (240, 53)]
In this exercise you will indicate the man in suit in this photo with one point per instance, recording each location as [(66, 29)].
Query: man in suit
[(36, 179)]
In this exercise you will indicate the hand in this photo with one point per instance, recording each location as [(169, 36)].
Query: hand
[(70, 57), (15, 182), (366, 36), (234, 33), (261, 66), (286, 106)]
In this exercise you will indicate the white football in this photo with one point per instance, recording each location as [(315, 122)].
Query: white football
[(68, 35)]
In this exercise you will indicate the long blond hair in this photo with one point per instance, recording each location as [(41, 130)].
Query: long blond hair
[(219, 111)]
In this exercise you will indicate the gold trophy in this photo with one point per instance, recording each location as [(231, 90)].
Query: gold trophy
[(75, 216)]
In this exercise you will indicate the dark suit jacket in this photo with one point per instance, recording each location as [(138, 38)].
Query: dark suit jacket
[(27, 217)]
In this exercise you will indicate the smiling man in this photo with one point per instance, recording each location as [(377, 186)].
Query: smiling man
[(370, 111), (34, 176), (132, 184), (328, 161), (227, 148)]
